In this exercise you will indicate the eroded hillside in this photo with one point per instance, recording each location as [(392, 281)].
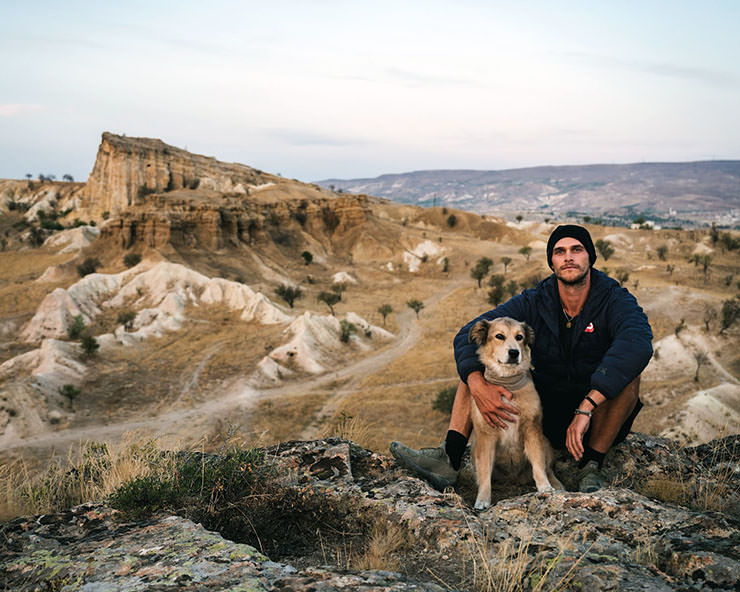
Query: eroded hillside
[(194, 340)]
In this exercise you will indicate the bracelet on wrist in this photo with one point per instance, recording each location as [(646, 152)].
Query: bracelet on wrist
[(582, 412), (590, 400)]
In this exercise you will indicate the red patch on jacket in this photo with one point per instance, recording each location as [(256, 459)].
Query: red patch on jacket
[(589, 329)]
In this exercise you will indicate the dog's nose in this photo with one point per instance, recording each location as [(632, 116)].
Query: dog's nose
[(513, 354)]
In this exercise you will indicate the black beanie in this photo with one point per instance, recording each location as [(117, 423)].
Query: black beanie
[(577, 232)]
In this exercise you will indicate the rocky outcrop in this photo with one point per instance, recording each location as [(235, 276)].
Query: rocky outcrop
[(614, 539), (127, 169)]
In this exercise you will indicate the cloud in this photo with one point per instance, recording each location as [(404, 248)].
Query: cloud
[(417, 79), (11, 110), (705, 75), (304, 138)]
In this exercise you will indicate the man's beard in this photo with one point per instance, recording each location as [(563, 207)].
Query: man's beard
[(577, 281)]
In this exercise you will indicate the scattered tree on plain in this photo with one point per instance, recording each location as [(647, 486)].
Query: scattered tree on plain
[(345, 330), (505, 261), (307, 257), (89, 345), (605, 249), (700, 358), (330, 299), (415, 305), (481, 268), (729, 314), (526, 251), (131, 259), (289, 293), (385, 310), (88, 266), (662, 250)]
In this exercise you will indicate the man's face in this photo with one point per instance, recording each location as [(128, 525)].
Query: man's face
[(570, 261)]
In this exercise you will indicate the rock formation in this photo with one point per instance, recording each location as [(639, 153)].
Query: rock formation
[(614, 539)]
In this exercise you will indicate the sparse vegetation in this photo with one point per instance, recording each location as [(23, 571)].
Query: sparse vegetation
[(680, 327), (622, 276), (330, 299), (385, 310), (451, 220), (127, 318), (662, 250), (75, 328), (604, 248), (289, 293), (88, 266), (480, 269), (729, 314), (444, 400), (89, 345), (131, 259), (69, 391), (700, 358), (506, 261), (307, 257), (346, 329), (526, 251), (415, 305)]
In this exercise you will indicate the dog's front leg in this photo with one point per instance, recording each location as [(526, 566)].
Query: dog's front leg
[(534, 448), (484, 454)]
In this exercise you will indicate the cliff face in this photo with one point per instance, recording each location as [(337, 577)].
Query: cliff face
[(614, 539), (129, 168)]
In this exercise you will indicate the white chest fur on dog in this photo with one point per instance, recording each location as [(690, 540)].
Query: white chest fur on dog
[(504, 351)]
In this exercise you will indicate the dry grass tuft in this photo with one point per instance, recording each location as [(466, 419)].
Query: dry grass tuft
[(348, 427), (90, 473), (387, 540)]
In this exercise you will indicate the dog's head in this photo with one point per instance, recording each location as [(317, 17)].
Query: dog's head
[(503, 345)]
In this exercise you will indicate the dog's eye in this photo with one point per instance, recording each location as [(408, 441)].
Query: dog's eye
[(500, 336), (519, 337)]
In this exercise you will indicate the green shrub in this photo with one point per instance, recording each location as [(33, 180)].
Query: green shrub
[(127, 318), (69, 391), (346, 329), (131, 259), (75, 329), (88, 266), (445, 398), (89, 345)]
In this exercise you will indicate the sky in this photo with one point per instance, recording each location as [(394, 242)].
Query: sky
[(313, 89)]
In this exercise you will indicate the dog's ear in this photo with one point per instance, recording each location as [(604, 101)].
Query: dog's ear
[(479, 332), (528, 335)]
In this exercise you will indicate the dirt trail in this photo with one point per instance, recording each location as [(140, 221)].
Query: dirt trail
[(239, 396)]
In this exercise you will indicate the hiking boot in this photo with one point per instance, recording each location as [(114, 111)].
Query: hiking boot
[(432, 464), (591, 477)]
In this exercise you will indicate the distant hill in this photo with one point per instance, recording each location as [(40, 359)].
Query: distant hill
[(671, 193)]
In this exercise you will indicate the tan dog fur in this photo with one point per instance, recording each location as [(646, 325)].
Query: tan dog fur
[(523, 441)]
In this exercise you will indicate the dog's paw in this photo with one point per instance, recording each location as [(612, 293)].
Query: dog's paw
[(482, 505), (545, 488)]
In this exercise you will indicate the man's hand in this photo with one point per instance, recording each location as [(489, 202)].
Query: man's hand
[(574, 435), (492, 401)]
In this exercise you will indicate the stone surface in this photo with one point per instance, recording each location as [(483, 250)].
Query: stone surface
[(614, 539)]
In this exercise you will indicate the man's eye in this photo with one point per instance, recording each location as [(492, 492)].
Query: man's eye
[(519, 337), (500, 336)]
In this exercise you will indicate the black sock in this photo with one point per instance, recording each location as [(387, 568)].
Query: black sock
[(591, 454), (455, 444)]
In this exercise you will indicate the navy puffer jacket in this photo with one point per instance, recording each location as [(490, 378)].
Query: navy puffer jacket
[(611, 343)]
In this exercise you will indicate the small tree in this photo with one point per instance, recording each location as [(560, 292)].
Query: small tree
[(729, 314), (505, 261), (330, 299), (127, 318), (451, 220), (700, 358), (89, 345), (662, 250), (289, 293), (526, 251), (75, 329), (622, 276), (68, 177), (445, 265), (131, 259), (480, 270), (445, 399), (69, 391), (705, 262), (307, 257), (345, 330), (88, 266), (670, 268), (385, 310), (339, 287), (710, 314), (605, 249), (415, 305), (680, 327)]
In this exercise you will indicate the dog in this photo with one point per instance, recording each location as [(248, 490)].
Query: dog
[(504, 349)]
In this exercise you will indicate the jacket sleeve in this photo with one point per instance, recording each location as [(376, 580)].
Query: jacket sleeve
[(466, 353), (631, 348)]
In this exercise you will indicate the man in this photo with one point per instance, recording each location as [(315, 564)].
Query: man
[(592, 341)]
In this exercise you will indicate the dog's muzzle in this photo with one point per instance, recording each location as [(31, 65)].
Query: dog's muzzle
[(513, 356)]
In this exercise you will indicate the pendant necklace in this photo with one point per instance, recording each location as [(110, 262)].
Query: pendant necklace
[(569, 320)]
